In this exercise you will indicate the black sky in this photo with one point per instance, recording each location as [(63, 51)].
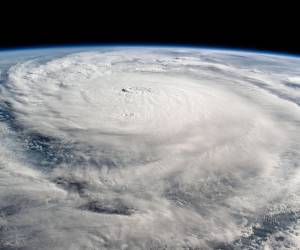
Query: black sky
[(249, 28)]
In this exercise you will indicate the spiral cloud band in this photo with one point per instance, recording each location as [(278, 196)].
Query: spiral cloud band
[(149, 148)]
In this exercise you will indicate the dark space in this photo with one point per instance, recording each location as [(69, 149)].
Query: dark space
[(251, 27)]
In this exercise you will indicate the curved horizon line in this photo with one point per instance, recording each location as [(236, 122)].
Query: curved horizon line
[(154, 45)]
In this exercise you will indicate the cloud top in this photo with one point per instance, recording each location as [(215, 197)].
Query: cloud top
[(145, 148)]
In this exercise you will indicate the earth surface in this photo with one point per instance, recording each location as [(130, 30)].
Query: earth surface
[(149, 148)]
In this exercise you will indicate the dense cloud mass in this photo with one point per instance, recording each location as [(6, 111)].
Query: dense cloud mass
[(149, 148)]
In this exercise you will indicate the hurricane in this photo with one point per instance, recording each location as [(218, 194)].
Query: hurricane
[(149, 148)]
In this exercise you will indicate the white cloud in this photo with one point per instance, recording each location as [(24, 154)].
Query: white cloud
[(128, 148)]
